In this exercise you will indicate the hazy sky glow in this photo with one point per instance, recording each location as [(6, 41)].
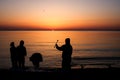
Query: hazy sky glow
[(60, 14)]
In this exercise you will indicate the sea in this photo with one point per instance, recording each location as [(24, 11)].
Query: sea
[(89, 47)]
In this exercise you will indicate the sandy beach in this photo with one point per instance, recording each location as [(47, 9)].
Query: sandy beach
[(58, 74)]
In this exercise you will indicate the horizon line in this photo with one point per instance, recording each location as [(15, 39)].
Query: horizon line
[(59, 29)]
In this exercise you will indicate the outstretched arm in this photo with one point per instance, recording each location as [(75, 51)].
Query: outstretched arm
[(59, 48)]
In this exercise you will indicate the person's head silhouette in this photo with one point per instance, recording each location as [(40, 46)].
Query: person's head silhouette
[(67, 41), (12, 44), (21, 42)]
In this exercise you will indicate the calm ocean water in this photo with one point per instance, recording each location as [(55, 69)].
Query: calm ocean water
[(103, 46)]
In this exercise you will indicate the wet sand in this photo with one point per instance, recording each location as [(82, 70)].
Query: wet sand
[(58, 74)]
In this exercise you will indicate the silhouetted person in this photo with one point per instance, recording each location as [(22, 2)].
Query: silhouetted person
[(21, 50), (13, 55), (36, 58), (66, 54)]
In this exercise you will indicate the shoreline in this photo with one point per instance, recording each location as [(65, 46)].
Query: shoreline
[(55, 69)]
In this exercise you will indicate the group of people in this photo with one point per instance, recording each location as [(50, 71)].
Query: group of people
[(18, 55)]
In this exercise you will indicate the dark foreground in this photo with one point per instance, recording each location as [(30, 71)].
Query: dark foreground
[(57, 74)]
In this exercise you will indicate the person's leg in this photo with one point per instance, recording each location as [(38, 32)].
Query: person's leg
[(19, 64), (66, 66), (33, 62), (12, 63), (23, 63), (37, 64)]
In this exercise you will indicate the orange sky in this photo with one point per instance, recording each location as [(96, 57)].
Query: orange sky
[(60, 14)]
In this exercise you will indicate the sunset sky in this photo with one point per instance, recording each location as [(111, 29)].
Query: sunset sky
[(59, 14)]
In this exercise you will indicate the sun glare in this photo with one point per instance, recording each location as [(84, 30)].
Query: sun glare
[(52, 23)]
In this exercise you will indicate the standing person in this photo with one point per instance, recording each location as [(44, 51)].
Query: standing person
[(21, 50), (13, 55), (66, 54)]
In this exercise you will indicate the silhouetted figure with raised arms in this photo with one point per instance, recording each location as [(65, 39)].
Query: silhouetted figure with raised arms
[(21, 50), (13, 55), (36, 58), (66, 54)]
